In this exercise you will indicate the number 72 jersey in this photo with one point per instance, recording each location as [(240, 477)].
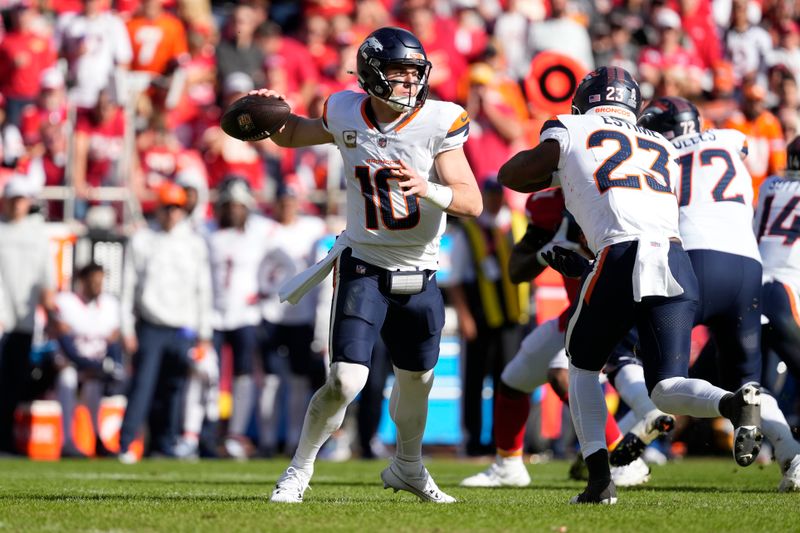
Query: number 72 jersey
[(777, 224), (715, 193), (388, 229)]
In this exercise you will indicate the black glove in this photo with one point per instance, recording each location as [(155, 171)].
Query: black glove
[(567, 262)]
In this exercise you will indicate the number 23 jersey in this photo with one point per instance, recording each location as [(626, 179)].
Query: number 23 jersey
[(617, 178), (388, 229)]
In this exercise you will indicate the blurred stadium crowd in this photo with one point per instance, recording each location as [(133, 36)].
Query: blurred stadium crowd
[(109, 121)]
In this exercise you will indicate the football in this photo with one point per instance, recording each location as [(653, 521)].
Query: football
[(253, 117)]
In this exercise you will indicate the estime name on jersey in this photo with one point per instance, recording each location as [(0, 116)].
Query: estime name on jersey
[(611, 121)]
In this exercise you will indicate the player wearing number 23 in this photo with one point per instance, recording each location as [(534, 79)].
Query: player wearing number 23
[(618, 180), (405, 167)]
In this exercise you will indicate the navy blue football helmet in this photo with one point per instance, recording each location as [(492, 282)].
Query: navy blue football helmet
[(607, 86), (671, 116), (387, 47)]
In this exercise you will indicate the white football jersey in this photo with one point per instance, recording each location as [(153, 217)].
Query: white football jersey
[(715, 193), (606, 163), (388, 229), (91, 323), (235, 257), (293, 248), (777, 223)]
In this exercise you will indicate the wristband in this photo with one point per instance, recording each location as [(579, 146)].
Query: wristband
[(439, 195)]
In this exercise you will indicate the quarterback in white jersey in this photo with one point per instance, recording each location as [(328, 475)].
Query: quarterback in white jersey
[(405, 168), (716, 196), (618, 181)]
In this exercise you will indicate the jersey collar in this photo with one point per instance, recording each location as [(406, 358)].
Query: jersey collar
[(368, 115)]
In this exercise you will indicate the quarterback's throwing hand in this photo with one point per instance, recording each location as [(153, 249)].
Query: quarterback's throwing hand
[(267, 93), (409, 182)]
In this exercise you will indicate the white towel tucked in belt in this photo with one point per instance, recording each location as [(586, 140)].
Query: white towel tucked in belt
[(295, 288), (651, 274)]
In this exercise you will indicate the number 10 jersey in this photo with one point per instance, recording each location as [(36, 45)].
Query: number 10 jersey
[(388, 229)]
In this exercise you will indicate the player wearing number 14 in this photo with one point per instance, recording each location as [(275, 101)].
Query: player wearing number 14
[(405, 168), (618, 180)]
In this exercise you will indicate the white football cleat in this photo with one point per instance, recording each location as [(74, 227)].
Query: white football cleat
[(791, 476), (421, 485), (128, 458), (235, 449), (290, 486), (187, 449), (632, 474), (508, 474)]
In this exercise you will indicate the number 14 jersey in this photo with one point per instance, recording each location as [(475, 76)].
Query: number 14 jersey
[(388, 229)]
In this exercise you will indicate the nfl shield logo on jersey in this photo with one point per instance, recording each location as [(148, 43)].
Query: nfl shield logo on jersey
[(349, 137), (382, 142)]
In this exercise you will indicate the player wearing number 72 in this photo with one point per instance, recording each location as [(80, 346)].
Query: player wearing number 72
[(618, 181), (405, 168)]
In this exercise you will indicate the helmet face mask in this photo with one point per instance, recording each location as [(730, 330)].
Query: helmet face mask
[(607, 87), (672, 117), (392, 47)]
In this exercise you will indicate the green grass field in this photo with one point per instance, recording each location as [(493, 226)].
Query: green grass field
[(710, 495)]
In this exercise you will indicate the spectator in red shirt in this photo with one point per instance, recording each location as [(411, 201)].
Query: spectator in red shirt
[(225, 155), (197, 109), (292, 57), (46, 164), (316, 34), (698, 23), (496, 124), (470, 35), (437, 37), (668, 53), (24, 54), (50, 108), (98, 145)]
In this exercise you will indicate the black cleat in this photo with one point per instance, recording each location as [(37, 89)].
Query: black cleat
[(632, 445), (602, 493), (743, 408), (627, 451), (578, 469)]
